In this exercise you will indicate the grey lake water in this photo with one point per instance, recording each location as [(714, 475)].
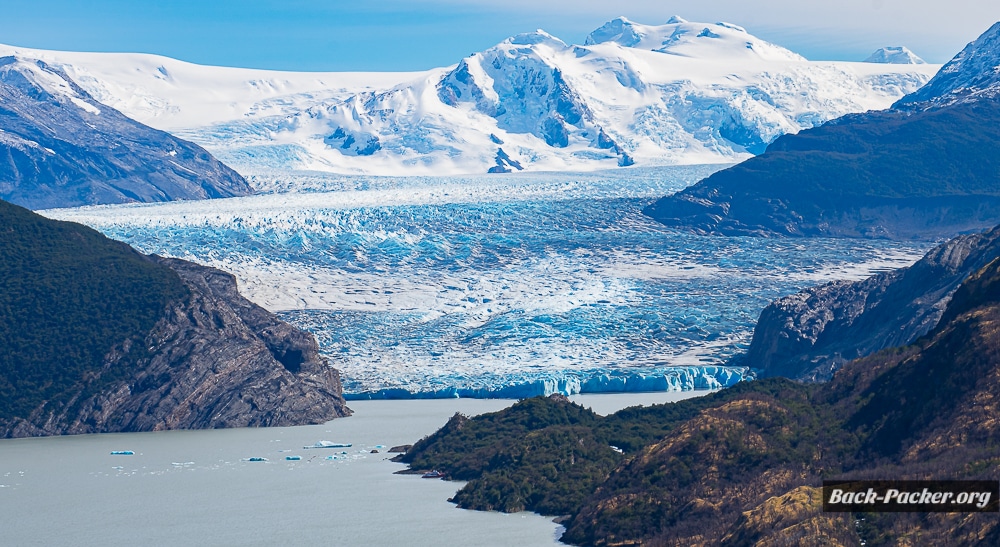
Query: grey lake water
[(197, 487), (414, 287)]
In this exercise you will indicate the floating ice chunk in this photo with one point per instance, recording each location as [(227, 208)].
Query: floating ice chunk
[(329, 444)]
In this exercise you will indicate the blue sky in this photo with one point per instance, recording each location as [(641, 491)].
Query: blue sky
[(414, 35)]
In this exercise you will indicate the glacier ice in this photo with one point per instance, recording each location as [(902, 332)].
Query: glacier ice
[(632, 94), (505, 285)]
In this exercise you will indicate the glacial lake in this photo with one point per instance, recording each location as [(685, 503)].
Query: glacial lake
[(197, 488)]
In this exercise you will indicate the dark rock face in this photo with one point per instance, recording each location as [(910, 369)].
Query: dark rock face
[(214, 360), (741, 466), (809, 335), (886, 175), (925, 169), (61, 148)]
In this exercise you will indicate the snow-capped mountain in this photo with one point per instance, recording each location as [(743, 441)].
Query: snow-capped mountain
[(62, 148), (971, 75), (894, 55), (924, 169), (686, 39), (678, 93)]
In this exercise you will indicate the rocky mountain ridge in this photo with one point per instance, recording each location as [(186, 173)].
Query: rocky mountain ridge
[(973, 74), (199, 356), (809, 335), (911, 172), (59, 147)]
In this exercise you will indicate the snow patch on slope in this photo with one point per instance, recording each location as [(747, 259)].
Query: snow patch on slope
[(972, 74), (678, 93), (35, 77)]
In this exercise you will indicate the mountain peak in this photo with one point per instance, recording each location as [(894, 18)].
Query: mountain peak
[(731, 26), (539, 36), (894, 55), (37, 79), (619, 30), (971, 75), (63, 148), (689, 39)]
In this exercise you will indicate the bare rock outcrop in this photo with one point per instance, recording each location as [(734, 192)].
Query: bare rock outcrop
[(214, 360), (809, 335)]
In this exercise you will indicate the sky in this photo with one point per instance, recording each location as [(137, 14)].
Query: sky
[(395, 35)]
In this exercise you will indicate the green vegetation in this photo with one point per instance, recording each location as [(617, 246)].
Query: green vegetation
[(524, 457), (70, 296), (693, 472), (548, 454)]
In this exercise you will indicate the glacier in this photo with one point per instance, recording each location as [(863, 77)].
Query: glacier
[(476, 230), (504, 285), (680, 93)]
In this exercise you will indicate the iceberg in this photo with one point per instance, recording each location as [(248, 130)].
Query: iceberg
[(328, 444)]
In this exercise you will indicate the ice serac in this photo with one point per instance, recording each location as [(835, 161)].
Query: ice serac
[(971, 75), (894, 55), (809, 335), (62, 148), (214, 360)]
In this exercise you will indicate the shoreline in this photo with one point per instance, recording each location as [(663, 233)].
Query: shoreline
[(284, 501)]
